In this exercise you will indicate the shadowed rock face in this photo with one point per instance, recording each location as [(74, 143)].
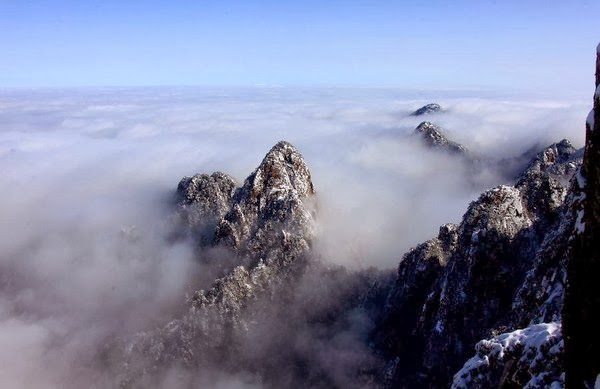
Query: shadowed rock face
[(434, 137), (202, 201), (539, 350), (500, 268), (543, 182), (427, 109), (581, 314)]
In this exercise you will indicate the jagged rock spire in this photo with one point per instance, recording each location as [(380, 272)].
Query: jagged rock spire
[(271, 207), (581, 314)]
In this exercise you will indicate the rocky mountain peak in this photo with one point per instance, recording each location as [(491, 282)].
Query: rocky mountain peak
[(557, 159), (434, 137), (282, 169), (267, 225), (273, 206), (545, 182), (427, 109)]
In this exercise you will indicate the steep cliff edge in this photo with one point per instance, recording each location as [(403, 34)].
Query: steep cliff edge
[(581, 313), (500, 268), (564, 351)]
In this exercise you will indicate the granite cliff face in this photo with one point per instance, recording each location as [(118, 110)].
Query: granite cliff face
[(561, 288), (203, 200), (500, 268)]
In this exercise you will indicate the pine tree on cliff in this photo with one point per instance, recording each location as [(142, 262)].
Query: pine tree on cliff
[(581, 313)]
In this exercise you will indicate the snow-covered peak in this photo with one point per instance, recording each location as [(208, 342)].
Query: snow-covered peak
[(434, 137), (427, 109)]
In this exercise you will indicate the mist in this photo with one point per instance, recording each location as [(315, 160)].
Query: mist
[(88, 178)]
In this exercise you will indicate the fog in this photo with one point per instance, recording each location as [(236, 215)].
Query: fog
[(88, 177)]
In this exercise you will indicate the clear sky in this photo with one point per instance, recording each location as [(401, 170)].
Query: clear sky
[(524, 44)]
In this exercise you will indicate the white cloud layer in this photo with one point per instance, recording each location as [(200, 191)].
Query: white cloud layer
[(88, 176)]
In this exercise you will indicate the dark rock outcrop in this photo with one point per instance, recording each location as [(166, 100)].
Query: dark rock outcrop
[(482, 275), (544, 183), (560, 290), (427, 109), (581, 313), (202, 201), (434, 137)]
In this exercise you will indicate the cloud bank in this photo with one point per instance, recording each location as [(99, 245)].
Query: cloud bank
[(88, 178)]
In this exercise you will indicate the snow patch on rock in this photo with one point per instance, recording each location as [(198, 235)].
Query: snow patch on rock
[(529, 357)]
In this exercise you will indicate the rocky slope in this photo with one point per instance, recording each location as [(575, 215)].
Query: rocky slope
[(500, 268), (523, 261), (434, 137), (203, 200)]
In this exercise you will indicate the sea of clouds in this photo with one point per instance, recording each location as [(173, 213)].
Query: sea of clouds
[(88, 178)]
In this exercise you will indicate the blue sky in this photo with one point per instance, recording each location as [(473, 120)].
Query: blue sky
[(520, 45)]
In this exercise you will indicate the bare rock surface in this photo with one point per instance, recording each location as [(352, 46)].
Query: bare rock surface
[(434, 137), (501, 268), (272, 211), (202, 201)]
